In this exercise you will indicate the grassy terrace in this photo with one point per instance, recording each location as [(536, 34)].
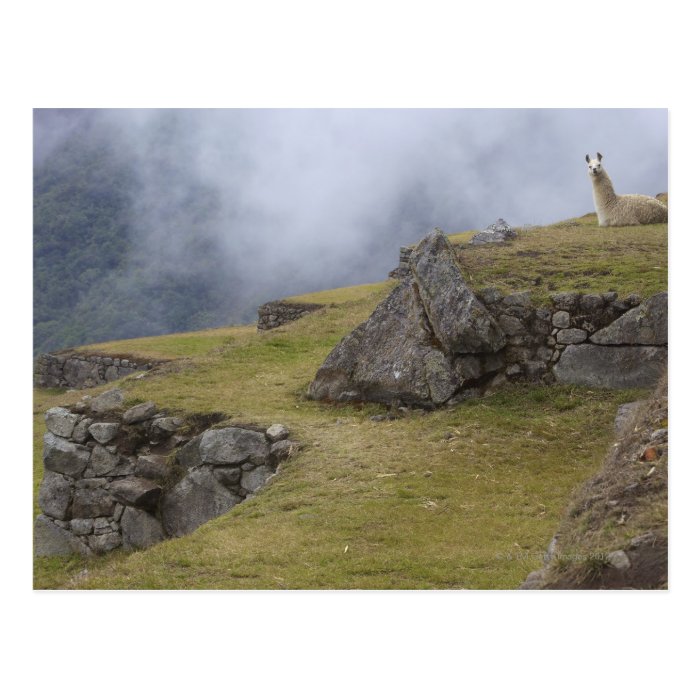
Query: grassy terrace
[(448, 499)]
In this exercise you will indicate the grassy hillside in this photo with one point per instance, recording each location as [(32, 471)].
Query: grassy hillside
[(458, 498)]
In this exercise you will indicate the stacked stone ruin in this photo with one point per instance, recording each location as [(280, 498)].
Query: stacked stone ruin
[(132, 478), (67, 369), (404, 269), (276, 313)]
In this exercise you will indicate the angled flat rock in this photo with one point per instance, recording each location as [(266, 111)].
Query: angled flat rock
[(390, 357), (460, 322), (626, 367), (646, 324), (64, 457)]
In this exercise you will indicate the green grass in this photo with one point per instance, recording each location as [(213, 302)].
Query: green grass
[(574, 255), (447, 499)]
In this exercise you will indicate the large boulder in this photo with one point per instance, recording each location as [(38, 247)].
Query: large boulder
[(613, 367), (646, 324), (139, 529), (390, 357), (193, 501), (233, 446), (459, 321), (420, 344), (64, 457)]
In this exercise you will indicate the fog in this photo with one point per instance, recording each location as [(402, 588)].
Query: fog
[(301, 200)]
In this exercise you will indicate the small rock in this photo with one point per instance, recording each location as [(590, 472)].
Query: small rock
[(571, 336), (660, 435), (55, 495), (154, 467), (140, 413), (89, 503), (108, 401), (277, 432), (102, 461), (168, 424), (64, 457), (80, 432), (52, 540), (648, 538), (81, 526), (228, 476), (252, 481), (619, 560), (60, 421), (498, 232), (282, 450), (233, 446), (105, 542), (561, 319), (103, 432)]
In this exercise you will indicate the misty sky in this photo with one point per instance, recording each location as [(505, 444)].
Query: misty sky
[(312, 199)]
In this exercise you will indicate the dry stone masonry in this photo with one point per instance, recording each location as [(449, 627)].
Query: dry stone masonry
[(276, 313), (433, 340), (84, 371), (132, 478)]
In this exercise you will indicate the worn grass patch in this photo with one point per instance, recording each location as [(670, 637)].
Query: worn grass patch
[(446, 499)]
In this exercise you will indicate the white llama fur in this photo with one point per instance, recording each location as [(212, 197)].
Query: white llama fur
[(625, 209)]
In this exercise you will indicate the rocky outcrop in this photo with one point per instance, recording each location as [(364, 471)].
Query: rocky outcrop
[(498, 232), (131, 478), (410, 350), (434, 340), (276, 313), (67, 369)]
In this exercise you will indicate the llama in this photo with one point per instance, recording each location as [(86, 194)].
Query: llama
[(621, 210)]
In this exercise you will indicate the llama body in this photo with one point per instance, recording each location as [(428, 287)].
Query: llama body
[(621, 210)]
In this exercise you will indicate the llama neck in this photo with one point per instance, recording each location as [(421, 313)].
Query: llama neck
[(603, 192)]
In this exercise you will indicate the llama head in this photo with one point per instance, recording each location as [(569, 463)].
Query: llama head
[(594, 166)]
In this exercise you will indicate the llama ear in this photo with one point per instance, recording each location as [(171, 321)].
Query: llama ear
[(588, 160), (600, 157)]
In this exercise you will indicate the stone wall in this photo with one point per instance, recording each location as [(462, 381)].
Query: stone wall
[(433, 340), (84, 371), (596, 340), (276, 313), (132, 478)]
